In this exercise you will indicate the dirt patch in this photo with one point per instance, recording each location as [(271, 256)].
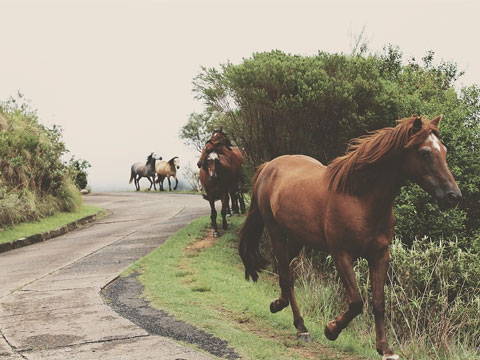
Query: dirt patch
[(201, 244)]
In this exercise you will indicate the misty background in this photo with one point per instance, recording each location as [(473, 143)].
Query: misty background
[(117, 75)]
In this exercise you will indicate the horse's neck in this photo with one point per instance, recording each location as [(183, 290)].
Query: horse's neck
[(382, 188)]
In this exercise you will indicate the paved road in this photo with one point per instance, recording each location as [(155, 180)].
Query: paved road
[(50, 304)]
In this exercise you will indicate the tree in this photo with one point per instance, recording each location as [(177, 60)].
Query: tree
[(275, 103)]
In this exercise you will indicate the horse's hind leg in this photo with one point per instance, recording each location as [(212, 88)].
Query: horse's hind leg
[(344, 265), (285, 252), (160, 181), (137, 183), (153, 182)]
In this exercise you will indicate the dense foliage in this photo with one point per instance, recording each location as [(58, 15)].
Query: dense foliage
[(274, 103), (34, 181)]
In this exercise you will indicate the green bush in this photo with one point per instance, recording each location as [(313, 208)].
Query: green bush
[(275, 103), (34, 181)]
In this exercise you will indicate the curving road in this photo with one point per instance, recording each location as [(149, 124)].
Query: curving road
[(50, 304)]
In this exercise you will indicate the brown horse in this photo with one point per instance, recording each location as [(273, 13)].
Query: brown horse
[(222, 145), (219, 172), (345, 209)]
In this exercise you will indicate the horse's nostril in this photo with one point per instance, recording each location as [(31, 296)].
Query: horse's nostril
[(453, 198)]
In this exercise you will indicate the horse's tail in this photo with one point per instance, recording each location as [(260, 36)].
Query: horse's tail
[(132, 176), (250, 235)]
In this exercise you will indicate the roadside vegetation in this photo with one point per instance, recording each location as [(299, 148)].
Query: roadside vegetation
[(274, 103), (34, 180), (49, 223), (200, 279)]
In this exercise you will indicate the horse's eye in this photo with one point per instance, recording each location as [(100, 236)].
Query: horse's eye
[(426, 154)]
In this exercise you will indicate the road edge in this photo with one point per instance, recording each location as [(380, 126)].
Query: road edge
[(47, 235)]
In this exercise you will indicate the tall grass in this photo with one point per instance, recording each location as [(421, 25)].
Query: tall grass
[(432, 299)]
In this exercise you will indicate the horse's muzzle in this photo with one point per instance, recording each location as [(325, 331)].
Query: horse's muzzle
[(450, 199)]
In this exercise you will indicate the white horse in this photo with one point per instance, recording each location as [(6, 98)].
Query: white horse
[(167, 169)]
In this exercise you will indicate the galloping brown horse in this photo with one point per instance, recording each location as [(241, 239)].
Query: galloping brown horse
[(222, 145), (219, 173), (345, 209)]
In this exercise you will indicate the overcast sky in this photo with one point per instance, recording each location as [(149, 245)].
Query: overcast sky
[(117, 75)]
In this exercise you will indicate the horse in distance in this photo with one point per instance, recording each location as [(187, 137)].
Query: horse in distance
[(345, 209), (139, 170), (167, 169)]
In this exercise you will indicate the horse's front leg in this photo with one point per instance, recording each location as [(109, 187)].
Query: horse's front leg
[(150, 188), (224, 200), (234, 199), (344, 265), (213, 218), (169, 184), (378, 273), (176, 182), (242, 202)]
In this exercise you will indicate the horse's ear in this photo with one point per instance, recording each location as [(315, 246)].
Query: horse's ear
[(417, 125), (436, 121)]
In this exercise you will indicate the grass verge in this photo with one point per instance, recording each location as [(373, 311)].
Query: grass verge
[(201, 280), (49, 223)]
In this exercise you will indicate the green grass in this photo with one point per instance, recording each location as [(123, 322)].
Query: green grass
[(49, 223), (207, 288)]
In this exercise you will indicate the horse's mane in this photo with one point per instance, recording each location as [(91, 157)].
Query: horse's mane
[(171, 162), (149, 158), (367, 154)]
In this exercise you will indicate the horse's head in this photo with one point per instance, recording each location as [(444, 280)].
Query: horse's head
[(220, 138), (211, 165), (152, 158), (176, 162), (426, 163)]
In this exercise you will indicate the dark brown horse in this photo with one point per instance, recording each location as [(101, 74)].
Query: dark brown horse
[(219, 172), (345, 209), (222, 145)]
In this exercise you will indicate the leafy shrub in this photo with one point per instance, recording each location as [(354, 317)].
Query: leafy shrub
[(275, 103), (34, 181)]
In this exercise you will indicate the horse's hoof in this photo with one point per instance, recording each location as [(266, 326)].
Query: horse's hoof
[(276, 306), (391, 357), (216, 234), (329, 333), (305, 337), (229, 215)]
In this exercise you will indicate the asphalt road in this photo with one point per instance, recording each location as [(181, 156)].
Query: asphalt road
[(50, 303)]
